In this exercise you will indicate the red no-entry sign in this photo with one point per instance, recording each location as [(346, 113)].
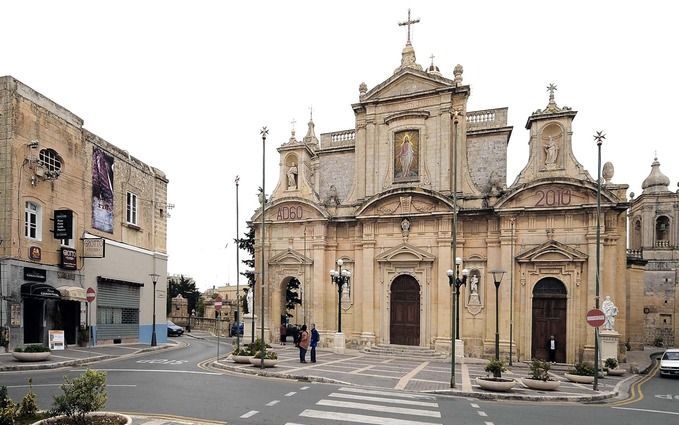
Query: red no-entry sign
[(91, 295), (218, 304), (595, 317)]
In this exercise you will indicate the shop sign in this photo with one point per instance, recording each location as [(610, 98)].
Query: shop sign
[(15, 319), (63, 224), (94, 248), (35, 275), (69, 259), (34, 253)]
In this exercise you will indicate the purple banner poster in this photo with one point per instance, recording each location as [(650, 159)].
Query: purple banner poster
[(102, 190)]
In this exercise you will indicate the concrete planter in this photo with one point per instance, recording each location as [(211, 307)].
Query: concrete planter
[(538, 384), (241, 359), (56, 420), (31, 357), (496, 384), (580, 379), (258, 362), (616, 372)]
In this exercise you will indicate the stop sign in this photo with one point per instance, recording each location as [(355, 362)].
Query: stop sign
[(218, 303), (595, 317), (90, 294)]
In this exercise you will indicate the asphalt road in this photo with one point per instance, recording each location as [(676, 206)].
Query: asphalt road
[(173, 382)]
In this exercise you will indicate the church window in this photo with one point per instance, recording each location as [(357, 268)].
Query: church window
[(636, 236)]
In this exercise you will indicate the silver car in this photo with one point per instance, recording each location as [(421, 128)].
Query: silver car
[(669, 362)]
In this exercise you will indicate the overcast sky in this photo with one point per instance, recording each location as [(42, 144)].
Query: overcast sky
[(186, 86)]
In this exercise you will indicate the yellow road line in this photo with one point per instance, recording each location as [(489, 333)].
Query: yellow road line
[(636, 388)]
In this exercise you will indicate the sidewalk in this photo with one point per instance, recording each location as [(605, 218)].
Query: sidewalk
[(75, 356), (433, 375)]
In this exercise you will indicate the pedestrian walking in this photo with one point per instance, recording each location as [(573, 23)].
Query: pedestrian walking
[(551, 346), (315, 337), (283, 333), (303, 344)]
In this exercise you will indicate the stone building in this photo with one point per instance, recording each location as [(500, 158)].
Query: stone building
[(654, 237), (76, 212), (381, 198)]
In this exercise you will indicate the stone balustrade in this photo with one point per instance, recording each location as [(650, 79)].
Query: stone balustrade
[(486, 118)]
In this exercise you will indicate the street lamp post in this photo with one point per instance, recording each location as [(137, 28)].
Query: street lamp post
[(455, 282), (237, 274), (599, 138), (497, 279), (340, 277), (154, 279), (264, 132)]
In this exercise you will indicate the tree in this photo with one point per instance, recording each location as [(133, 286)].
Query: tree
[(186, 286), (247, 244), (292, 296)]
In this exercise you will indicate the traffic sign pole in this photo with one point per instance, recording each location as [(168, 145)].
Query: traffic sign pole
[(91, 296), (218, 309), (596, 318)]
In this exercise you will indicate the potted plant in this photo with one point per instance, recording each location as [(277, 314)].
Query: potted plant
[(495, 382), (241, 355), (582, 373), (83, 336), (270, 359), (611, 366), (31, 353), (540, 378)]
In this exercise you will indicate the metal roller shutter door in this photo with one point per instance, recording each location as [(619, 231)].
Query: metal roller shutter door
[(117, 311)]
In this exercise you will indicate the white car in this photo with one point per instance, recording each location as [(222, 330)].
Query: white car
[(669, 362)]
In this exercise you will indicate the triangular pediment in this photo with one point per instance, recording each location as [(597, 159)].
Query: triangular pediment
[(407, 82), (405, 253), (552, 251), (290, 257)]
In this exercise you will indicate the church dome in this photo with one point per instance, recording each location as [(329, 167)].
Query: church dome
[(656, 181)]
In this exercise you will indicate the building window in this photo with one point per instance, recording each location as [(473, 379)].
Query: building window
[(70, 243), (33, 221), (662, 231), (131, 208), (51, 162)]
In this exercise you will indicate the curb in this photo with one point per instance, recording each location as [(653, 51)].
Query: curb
[(265, 373), (523, 397)]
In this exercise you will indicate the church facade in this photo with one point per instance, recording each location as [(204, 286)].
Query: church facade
[(382, 197)]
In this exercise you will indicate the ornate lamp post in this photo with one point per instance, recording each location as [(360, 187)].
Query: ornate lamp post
[(455, 282), (599, 138), (497, 279), (264, 132), (154, 279), (237, 273), (340, 277)]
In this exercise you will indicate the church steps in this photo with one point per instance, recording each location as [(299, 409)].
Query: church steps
[(404, 351)]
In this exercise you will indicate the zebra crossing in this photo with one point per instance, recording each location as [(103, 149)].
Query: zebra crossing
[(367, 406)]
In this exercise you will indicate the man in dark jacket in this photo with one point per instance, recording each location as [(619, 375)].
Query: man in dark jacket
[(315, 337), (551, 347)]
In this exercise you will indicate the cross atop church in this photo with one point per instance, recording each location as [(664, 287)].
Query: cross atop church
[(551, 88), (408, 23), (432, 58)]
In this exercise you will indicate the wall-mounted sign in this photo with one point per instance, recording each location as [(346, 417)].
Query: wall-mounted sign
[(69, 259), (35, 275), (15, 319), (34, 253), (63, 224), (94, 248), (290, 212)]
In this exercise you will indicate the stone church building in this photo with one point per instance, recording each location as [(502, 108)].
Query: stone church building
[(380, 197)]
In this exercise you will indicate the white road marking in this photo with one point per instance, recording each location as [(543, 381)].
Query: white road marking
[(379, 408), (249, 414), (151, 371), (647, 410), (304, 388), (272, 403), (384, 399), (389, 393), (482, 413), (489, 423), (291, 393), (475, 406), (361, 419)]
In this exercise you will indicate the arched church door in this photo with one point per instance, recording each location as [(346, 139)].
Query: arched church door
[(405, 311), (549, 318)]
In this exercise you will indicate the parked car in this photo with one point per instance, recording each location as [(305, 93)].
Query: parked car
[(669, 362), (232, 330), (174, 330)]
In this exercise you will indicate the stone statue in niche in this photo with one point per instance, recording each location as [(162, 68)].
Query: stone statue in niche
[(292, 177), (405, 228), (551, 151), (474, 305), (610, 311)]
